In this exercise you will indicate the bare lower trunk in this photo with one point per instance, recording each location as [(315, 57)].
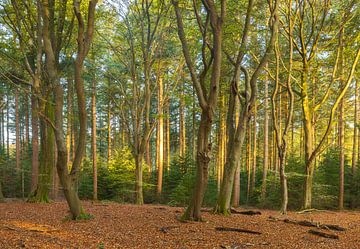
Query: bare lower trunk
[(160, 137), (46, 163), (35, 143), (342, 155), (283, 182), (253, 177), (266, 141), (202, 161), (93, 140), (139, 199), (236, 187), (17, 131), (355, 134), (232, 167)]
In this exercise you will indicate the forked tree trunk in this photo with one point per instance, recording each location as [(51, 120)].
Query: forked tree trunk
[(207, 101), (235, 144)]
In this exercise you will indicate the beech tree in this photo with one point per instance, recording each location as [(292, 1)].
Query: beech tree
[(247, 100), (85, 34), (207, 98)]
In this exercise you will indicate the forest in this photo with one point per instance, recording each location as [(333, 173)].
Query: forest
[(244, 114)]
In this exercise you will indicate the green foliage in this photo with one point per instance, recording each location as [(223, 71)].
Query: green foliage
[(116, 179), (295, 177), (179, 183), (326, 187)]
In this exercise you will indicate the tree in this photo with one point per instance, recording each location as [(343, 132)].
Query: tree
[(247, 100), (281, 139), (93, 138), (207, 100), (85, 34)]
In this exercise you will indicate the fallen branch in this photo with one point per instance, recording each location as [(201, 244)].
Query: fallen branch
[(306, 223), (307, 211), (249, 212), (325, 235), (239, 230)]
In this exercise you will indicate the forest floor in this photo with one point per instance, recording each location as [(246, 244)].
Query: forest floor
[(26, 225)]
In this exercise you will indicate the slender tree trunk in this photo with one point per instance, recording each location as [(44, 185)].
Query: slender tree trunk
[(266, 138), (27, 124), (109, 131), (221, 145), (253, 178), (342, 154), (1, 194), (194, 126), (93, 139), (341, 124), (182, 132), (69, 124), (168, 128), (355, 134), (7, 128), (248, 160), (17, 131), (160, 148)]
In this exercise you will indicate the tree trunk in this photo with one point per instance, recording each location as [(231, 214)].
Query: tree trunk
[(308, 138), (342, 155), (47, 146), (193, 140), (253, 178), (266, 139), (69, 124), (7, 128), (232, 172), (202, 162), (109, 132), (1, 194), (248, 160), (160, 135), (93, 139), (168, 128), (139, 199), (354, 160), (182, 132), (35, 142), (17, 131), (283, 181)]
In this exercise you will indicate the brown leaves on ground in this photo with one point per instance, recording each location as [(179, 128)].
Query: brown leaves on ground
[(28, 225)]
